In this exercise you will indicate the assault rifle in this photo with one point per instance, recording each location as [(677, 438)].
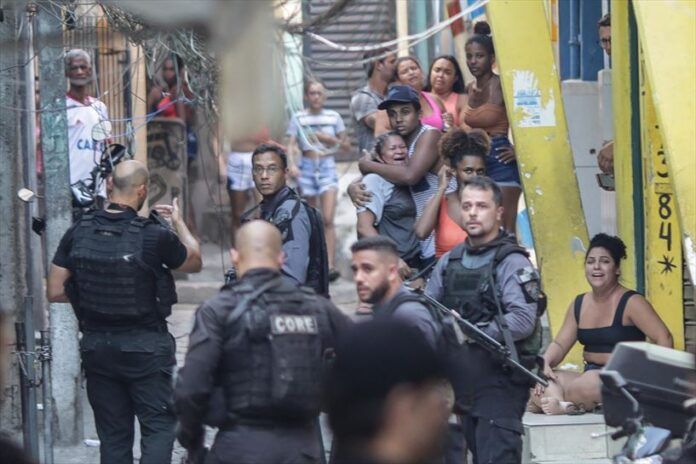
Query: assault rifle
[(485, 341)]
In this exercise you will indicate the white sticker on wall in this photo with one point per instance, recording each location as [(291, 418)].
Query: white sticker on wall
[(529, 105)]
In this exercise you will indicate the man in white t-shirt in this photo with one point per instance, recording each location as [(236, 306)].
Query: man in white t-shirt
[(84, 112)]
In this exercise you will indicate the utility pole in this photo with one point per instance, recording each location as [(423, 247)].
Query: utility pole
[(65, 367), (26, 338), (12, 265)]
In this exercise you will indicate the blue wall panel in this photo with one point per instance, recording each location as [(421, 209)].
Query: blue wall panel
[(580, 55)]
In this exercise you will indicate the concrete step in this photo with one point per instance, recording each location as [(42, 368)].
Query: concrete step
[(567, 440), (196, 292)]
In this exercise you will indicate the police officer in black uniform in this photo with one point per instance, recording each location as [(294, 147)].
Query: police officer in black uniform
[(301, 228), (114, 268), (262, 340), (490, 268)]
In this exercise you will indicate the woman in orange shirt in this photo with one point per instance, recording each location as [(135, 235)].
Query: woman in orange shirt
[(465, 157)]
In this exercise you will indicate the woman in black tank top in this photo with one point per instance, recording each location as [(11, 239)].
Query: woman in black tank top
[(599, 319)]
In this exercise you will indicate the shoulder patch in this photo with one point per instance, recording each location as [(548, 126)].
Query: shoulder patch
[(281, 215), (526, 274), (528, 278), (282, 219)]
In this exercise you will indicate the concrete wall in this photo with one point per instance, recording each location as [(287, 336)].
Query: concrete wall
[(588, 128)]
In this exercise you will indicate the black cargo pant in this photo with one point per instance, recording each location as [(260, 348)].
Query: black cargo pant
[(455, 451), (268, 444), (129, 374), (493, 426)]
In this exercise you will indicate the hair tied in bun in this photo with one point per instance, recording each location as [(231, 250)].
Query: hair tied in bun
[(482, 28)]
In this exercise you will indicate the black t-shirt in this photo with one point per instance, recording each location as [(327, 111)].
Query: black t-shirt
[(160, 246)]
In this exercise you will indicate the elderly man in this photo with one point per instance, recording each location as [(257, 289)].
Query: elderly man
[(84, 112)]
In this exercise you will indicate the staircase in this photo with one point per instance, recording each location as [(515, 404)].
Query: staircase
[(362, 23)]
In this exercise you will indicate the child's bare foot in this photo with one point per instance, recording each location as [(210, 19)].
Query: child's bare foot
[(552, 406), (534, 408)]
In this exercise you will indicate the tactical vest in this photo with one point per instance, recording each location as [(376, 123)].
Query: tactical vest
[(110, 282), (273, 357), (470, 292)]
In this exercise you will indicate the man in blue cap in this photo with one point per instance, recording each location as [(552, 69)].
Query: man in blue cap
[(420, 171)]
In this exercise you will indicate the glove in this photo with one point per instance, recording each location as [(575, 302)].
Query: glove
[(191, 439), (195, 456)]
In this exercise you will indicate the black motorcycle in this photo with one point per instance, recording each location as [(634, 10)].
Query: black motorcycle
[(85, 192), (645, 442)]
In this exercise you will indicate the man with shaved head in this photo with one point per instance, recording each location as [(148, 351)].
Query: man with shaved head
[(114, 267), (259, 344)]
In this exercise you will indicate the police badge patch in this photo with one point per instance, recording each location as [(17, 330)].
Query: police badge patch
[(528, 278), (283, 221)]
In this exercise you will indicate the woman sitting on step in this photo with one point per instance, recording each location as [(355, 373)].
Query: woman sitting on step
[(599, 319)]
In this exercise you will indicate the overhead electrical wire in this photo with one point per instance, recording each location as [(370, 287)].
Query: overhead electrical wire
[(411, 39)]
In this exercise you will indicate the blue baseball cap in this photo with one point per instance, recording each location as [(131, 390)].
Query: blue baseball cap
[(400, 94)]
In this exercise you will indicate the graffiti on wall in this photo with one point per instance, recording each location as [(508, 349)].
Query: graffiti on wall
[(166, 161)]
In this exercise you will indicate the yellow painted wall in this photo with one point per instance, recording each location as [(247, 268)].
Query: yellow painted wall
[(667, 32), (623, 112), (663, 250), (535, 109)]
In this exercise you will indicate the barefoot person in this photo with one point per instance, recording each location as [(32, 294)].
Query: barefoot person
[(608, 314)]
